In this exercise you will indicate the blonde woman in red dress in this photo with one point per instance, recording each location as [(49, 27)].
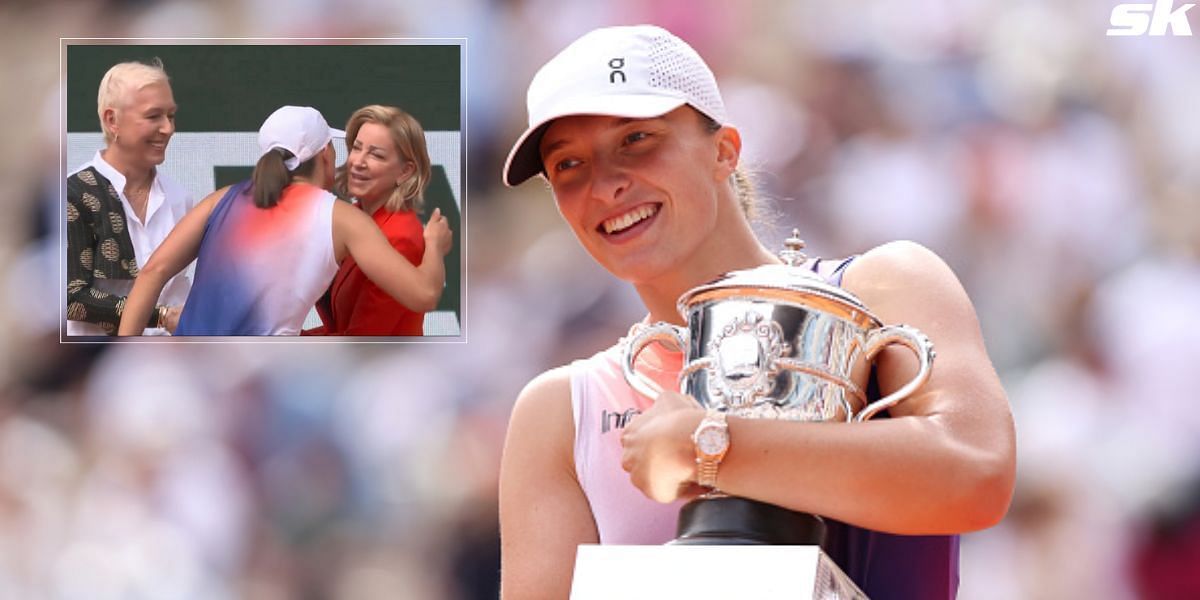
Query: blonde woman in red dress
[(386, 174)]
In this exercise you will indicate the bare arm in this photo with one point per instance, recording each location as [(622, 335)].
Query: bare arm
[(176, 252), (544, 515), (944, 462), (418, 288)]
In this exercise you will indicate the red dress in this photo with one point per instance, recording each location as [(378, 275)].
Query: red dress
[(356, 306)]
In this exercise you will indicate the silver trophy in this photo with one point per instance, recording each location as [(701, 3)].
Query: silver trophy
[(773, 342)]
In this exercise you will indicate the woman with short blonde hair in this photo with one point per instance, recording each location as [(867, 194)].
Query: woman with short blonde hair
[(120, 208), (120, 82)]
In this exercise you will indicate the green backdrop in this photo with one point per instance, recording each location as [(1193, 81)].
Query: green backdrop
[(233, 88)]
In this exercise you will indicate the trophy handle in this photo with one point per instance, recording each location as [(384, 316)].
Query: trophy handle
[(643, 335), (916, 341)]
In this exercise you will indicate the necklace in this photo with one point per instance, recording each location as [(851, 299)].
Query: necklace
[(141, 192)]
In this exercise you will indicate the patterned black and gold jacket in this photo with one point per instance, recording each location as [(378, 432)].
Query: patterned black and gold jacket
[(98, 247)]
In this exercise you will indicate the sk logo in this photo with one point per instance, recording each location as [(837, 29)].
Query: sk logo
[(1153, 19)]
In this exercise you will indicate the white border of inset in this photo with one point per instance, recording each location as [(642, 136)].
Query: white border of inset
[(461, 338)]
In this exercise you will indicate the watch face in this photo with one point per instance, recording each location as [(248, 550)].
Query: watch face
[(711, 440)]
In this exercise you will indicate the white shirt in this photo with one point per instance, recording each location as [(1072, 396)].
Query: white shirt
[(167, 204)]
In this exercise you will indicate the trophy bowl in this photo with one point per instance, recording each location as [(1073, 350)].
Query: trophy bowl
[(773, 342)]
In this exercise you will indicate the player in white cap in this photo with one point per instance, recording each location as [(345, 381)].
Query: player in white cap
[(628, 127)]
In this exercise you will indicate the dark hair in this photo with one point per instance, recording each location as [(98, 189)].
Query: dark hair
[(742, 181), (271, 176)]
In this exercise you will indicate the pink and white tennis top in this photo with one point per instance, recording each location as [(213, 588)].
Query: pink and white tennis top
[(603, 403)]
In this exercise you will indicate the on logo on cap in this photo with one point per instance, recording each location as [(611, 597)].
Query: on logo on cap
[(616, 64)]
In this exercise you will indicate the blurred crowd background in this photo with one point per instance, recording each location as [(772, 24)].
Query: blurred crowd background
[(1056, 169)]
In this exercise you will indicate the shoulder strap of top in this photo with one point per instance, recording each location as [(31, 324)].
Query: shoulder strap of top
[(835, 276), (839, 271)]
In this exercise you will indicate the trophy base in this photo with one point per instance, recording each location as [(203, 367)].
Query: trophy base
[(709, 573), (733, 521)]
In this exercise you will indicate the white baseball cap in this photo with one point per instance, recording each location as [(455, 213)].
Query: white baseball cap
[(300, 130), (638, 71)]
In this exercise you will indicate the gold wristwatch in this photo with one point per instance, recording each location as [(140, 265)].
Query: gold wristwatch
[(711, 440)]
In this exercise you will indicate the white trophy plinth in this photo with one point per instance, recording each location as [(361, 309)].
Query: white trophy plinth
[(698, 572)]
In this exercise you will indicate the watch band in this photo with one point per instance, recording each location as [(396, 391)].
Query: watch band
[(706, 471)]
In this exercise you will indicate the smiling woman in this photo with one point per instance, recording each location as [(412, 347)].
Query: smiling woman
[(387, 172), (119, 208), (596, 165), (644, 168)]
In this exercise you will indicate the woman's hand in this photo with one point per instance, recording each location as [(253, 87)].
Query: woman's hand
[(171, 318), (437, 233), (657, 449)]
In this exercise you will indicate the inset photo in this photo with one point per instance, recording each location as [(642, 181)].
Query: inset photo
[(274, 188)]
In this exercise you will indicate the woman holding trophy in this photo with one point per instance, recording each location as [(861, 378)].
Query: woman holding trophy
[(628, 126)]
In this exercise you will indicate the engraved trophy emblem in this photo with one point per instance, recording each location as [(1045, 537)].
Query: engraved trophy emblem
[(773, 342)]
